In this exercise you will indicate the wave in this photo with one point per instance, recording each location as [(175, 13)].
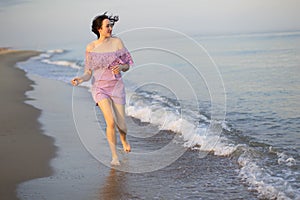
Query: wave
[(46, 58), (63, 63), (50, 65), (268, 184), (53, 51), (165, 113)]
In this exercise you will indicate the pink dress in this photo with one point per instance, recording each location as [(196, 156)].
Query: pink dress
[(106, 84)]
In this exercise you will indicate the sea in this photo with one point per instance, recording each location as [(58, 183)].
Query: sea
[(226, 108)]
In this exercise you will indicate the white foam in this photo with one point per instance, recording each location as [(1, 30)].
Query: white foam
[(194, 136), (44, 55), (62, 63), (50, 53), (285, 159), (56, 51), (260, 180), (198, 137)]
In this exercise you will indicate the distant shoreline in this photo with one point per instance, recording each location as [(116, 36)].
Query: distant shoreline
[(25, 152)]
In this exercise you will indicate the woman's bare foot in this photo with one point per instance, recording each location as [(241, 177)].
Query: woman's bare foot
[(126, 146), (115, 162)]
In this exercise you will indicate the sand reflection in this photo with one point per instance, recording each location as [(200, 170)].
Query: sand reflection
[(114, 186)]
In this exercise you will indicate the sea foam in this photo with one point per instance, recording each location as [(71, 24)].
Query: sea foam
[(149, 108)]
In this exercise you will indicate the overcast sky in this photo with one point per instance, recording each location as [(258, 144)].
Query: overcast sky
[(53, 21)]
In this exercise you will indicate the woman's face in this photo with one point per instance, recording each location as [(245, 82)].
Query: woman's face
[(106, 28)]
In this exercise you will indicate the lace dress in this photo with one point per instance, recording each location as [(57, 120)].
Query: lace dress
[(106, 84)]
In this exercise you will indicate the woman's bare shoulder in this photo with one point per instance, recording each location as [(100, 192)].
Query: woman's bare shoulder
[(90, 46), (117, 42)]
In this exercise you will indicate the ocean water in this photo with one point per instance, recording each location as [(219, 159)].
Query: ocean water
[(231, 101)]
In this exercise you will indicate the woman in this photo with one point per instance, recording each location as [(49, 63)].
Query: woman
[(105, 58)]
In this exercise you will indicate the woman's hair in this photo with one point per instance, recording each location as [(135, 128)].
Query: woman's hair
[(97, 22)]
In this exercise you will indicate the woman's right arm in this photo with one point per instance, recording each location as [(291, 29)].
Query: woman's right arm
[(85, 77), (87, 72)]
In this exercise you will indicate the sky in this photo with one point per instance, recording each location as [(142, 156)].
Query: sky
[(40, 23)]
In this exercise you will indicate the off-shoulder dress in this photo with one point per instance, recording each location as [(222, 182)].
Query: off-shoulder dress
[(106, 84)]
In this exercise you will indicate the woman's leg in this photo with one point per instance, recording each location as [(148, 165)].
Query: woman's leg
[(119, 111), (106, 108)]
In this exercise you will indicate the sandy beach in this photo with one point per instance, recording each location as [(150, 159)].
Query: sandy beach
[(24, 151)]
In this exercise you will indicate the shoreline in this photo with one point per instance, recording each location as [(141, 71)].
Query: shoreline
[(25, 151)]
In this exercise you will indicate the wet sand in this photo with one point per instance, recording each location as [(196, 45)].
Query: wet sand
[(25, 152)]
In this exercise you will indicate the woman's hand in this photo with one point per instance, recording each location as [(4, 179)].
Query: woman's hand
[(76, 81), (116, 69), (85, 77)]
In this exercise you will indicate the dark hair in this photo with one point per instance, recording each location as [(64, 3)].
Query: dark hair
[(97, 22)]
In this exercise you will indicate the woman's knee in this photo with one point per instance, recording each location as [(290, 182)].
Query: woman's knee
[(110, 124)]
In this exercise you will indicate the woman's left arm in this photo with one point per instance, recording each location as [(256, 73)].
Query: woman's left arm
[(118, 68), (126, 58)]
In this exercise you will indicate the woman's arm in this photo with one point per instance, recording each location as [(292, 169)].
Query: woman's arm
[(87, 72), (85, 77), (118, 68)]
